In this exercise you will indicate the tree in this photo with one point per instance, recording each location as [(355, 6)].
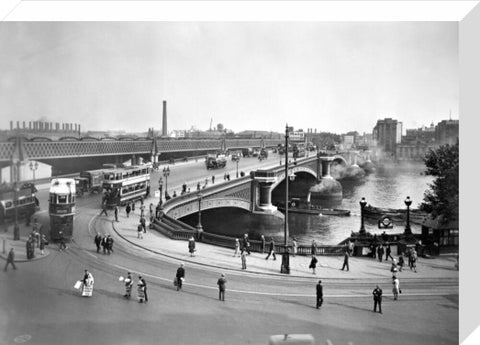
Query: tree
[(442, 196)]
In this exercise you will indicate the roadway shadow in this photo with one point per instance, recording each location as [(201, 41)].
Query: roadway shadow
[(303, 304)]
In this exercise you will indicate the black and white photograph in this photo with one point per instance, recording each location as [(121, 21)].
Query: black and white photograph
[(231, 181)]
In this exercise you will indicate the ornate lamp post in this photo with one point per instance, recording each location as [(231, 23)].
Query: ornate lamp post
[(33, 167), (286, 189), (199, 225), (160, 187), (16, 228), (408, 230), (166, 173), (363, 203)]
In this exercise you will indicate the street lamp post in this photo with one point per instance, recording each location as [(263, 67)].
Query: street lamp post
[(408, 202), (166, 173), (363, 203), (33, 167), (286, 188), (160, 187), (199, 225), (16, 228)]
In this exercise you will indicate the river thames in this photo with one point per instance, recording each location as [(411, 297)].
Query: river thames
[(387, 187)]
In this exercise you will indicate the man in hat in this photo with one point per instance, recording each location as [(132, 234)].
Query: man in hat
[(221, 287), (180, 276), (319, 294), (377, 299), (10, 259), (128, 285)]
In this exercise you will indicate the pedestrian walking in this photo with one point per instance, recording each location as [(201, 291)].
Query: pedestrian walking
[(394, 268), (213, 179), (180, 276), (380, 252), (133, 206), (87, 284), (191, 245), (104, 209), (225, 176), (143, 224), (30, 247), (295, 246), (139, 231), (246, 244), (271, 250), (98, 241), (198, 186), (319, 294), (396, 287), (128, 285), (313, 264), (313, 248), (109, 244), (237, 247), (115, 211), (128, 209), (377, 299), (142, 290), (10, 260), (388, 253), (150, 210), (63, 246), (221, 287), (228, 176), (401, 262), (414, 261), (345, 261), (262, 238), (43, 241), (243, 256), (104, 244)]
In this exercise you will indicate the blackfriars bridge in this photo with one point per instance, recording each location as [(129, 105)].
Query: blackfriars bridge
[(252, 193)]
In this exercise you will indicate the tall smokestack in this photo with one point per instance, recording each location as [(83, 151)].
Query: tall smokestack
[(164, 123)]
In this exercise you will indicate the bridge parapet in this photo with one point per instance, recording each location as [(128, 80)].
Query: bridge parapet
[(236, 193)]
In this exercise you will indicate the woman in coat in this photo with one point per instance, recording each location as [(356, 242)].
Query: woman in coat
[(191, 246), (313, 264)]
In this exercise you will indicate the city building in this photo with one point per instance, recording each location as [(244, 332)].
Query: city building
[(447, 132), (388, 134)]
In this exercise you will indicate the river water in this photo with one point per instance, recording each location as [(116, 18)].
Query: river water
[(387, 187)]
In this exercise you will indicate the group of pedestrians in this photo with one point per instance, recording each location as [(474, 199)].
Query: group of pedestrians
[(106, 242), (141, 287)]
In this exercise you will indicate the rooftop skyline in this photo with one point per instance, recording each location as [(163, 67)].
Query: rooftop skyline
[(335, 77)]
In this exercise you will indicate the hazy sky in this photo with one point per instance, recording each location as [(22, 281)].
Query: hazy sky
[(335, 77)]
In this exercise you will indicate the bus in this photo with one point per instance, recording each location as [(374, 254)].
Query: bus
[(61, 207), (89, 181), (125, 184), (24, 203)]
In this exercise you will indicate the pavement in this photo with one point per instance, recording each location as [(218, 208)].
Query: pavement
[(223, 258), (19, 246)]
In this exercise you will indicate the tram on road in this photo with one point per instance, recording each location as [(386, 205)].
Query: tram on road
[(61, 207), (122, 185), (23, 201)]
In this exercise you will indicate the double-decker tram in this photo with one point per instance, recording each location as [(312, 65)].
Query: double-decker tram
[(21, 201), (125, 184), (61, 207)]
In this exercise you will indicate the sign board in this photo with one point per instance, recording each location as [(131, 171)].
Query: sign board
[(157, 194), (297, 136)]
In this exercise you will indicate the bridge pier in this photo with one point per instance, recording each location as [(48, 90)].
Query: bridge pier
[(328, 190), (265, 181)]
